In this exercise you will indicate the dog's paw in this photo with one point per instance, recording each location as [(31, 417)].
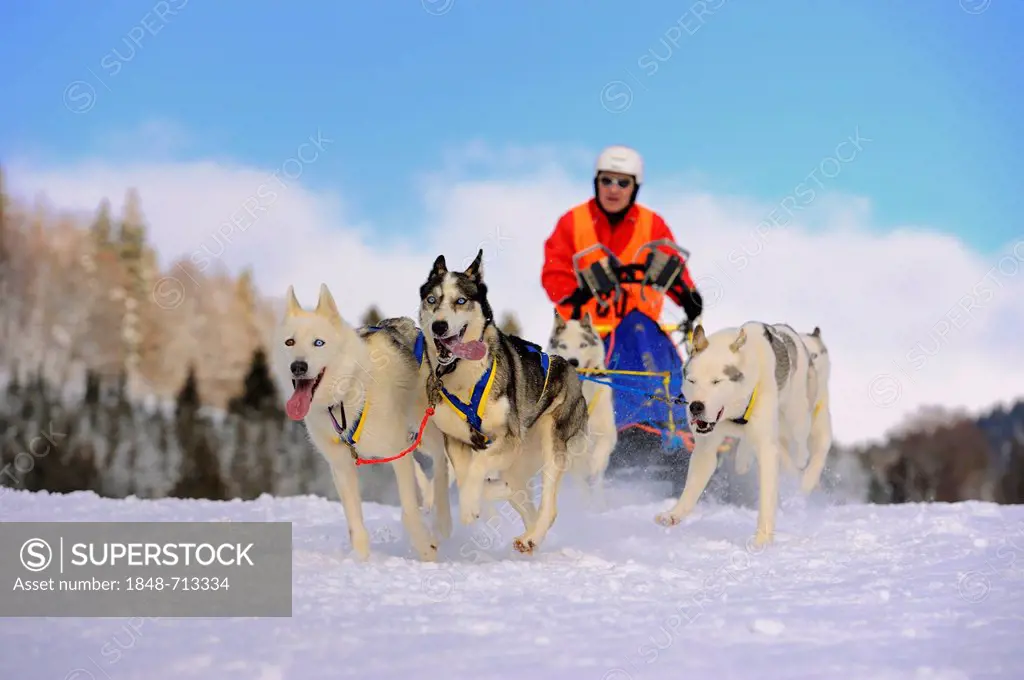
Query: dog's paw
[(667, 519), (763, 538), (524, 545)]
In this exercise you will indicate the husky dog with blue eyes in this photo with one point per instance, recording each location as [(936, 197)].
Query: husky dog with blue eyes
[(505, 407), (757, 384), (359, 393), (579, 342)]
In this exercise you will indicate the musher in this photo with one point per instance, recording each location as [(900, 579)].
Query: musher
[(615, 220)]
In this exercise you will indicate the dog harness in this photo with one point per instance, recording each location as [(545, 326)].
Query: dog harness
[(473, 412), (545, 361), (750, 407), (742, 420), (357, 427), (342, 428), (418, 349)]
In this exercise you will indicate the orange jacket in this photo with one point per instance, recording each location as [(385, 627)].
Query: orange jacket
[(559, 279)]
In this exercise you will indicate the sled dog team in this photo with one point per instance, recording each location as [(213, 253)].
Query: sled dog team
[(506, 410)]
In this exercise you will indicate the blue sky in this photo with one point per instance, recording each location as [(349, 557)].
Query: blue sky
[(747, 101)]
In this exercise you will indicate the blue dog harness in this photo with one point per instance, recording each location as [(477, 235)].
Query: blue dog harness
[(545, 361), (418, 349), (473, 412)]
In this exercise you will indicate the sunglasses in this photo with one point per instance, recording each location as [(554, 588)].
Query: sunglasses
[(623, 182)]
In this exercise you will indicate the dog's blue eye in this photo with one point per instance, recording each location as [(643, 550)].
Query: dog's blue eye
[(460, 301), (431, 299), (318, 343)]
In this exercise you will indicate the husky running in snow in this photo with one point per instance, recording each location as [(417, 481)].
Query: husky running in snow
[(821, 426), (581, 345), (504, 405), (759, 385), (358, 393)]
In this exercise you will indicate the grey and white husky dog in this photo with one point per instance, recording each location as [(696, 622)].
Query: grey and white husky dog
[(505, 406)]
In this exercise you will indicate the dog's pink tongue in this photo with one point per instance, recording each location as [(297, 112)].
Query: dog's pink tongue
[(474, 350), (298, 405)]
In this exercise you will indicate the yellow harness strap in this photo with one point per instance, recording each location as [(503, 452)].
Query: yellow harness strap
[(473, 411), (750, 409), (354, 439)]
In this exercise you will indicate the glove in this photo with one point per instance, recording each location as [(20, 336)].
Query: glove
[(601, 277), (661, 270)]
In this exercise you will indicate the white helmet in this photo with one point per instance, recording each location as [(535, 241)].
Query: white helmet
[(621, 159)]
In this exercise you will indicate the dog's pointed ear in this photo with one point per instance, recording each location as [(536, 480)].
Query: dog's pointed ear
[(700, 341), (475, 270), (816, 332), (587, 321), (439, 268), (559, 322), (740, 340), (325, 305), (292, 306)]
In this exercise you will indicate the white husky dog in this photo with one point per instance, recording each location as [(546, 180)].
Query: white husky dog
[(821, 421), (581, 344), (357, 390), (757, 384)]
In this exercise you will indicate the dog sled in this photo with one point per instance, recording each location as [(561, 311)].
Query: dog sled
[(643, 366)]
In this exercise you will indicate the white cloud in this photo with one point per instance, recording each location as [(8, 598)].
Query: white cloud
[(890, 305)]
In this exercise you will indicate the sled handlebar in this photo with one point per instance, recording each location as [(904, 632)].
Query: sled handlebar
[(613, 264), (586, 251), (683, 253), (656, 271)]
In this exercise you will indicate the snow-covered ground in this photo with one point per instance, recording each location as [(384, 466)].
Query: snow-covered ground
[(848, 591)]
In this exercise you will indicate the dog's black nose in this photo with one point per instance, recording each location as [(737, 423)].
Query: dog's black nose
[(299, 368), (575, 363), (439, 328), (697, 408)]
